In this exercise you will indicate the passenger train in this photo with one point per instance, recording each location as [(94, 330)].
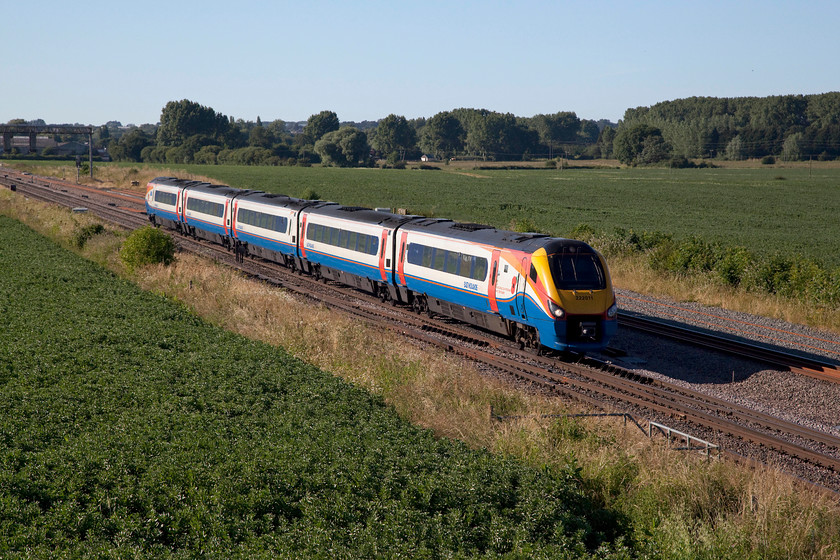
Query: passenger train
[(543, 292)]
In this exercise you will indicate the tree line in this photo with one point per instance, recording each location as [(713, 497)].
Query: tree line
[(191, 133), (792, 127)]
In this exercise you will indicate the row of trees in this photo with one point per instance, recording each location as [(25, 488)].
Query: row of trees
[(189, 132), (791, 127)]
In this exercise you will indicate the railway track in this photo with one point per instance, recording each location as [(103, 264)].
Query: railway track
[(598, 384), (818, 369)]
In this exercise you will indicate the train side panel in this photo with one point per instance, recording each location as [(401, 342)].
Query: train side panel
[(446, 269), (344, 245), (207, 214), (263, 226)]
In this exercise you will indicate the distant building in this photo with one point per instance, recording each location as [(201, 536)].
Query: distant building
[(426, 158), (72, 148), (23, 145)]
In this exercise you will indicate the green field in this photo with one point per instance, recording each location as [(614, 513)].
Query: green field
[(129, 427), (786, 211)]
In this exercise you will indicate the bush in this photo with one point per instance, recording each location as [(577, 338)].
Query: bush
[(732, 267), (681, 163), (311, 194), (768, 160), (147, 245), (84, 234), (525, 225)]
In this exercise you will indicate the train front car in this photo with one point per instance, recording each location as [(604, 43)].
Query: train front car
[(164, 200), (574, 295)]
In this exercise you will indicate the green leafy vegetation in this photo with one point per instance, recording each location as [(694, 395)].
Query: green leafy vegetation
[(129, 427), (788, 276), (147, 245)]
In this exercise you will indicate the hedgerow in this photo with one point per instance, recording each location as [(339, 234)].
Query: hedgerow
[(129, 427), (787, 276)]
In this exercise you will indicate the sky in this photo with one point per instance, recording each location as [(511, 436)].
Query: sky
[(91, 62)]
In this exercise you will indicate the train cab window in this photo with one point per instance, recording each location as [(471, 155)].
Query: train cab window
[(575, 270), (533, 273)]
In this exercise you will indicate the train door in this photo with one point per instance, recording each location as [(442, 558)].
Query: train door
[(383, 268), (494, 280), (301, 235), (522, 286), (400, 257)]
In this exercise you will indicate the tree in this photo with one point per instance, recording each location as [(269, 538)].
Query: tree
[(589, 131), (319, 125), (793, 148), (605, 142), (259, 137), (442, 136), (181, 119), (394, 134), (484, 130), (130, 146), (556, 129), (632, 145), (345, 147), (734, 149)]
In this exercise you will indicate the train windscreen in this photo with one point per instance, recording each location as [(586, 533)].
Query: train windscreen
[(577, 270)]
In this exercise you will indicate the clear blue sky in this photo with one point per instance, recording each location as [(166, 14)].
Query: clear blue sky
[(91, 62)]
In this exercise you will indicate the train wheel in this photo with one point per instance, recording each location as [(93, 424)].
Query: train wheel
[(420, 305)]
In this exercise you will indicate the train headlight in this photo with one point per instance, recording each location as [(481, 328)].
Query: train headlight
[(612, 311), (556, 310)]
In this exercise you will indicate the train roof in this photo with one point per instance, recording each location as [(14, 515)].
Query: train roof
[(176, 182), (365, 215), (222, 190), (281, 200), (480, 233)]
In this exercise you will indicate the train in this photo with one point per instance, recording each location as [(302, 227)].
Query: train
[(542, 292)]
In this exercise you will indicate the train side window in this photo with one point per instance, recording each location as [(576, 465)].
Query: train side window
[(533, 273), (440, 259), (493, 275), (479, 271)]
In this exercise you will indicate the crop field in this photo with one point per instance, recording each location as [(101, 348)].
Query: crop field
[(130, 427), (790, 211)]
